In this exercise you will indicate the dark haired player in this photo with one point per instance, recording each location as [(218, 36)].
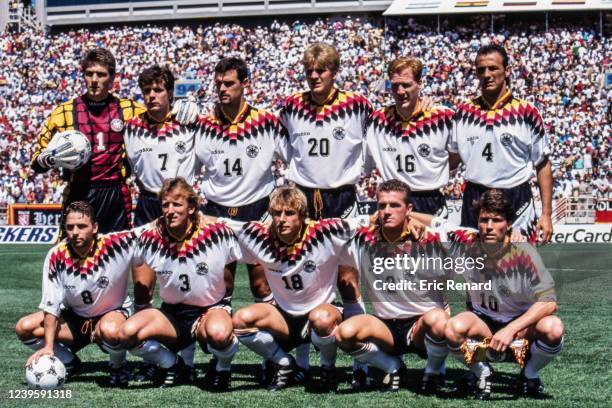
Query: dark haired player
[(84, 298)]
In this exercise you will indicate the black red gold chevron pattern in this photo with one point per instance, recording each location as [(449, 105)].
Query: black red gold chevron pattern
[(424, 123), (142, 127), (247, 126), (315, 233), (509, 112), (344, 104), (152, 239), (105, 248)]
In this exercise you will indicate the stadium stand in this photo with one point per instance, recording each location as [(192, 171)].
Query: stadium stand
[(560, 69)]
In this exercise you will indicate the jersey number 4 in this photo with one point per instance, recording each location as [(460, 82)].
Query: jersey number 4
[(487, 153)]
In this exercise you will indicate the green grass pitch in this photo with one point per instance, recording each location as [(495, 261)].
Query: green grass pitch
[(581, 376)]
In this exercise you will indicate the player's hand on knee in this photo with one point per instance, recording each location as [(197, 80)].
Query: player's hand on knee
[(38, 354), (502, 339), (185, 111)]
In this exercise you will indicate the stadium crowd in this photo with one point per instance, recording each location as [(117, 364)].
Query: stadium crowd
[(560, 70)]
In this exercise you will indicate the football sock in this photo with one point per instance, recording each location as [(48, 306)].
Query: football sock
[(541, 355), (59, 350), (263, 343), (327, 347), (116, 355), (225, 356), (153, 351), (188, 354), (457, 353), (353, 308), (481, 369), (371, 354), (436, 353), (302, 356)]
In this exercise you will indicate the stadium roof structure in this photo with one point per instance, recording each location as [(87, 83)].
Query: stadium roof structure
[(423, 7)]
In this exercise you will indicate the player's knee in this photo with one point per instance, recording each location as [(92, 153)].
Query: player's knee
[(322, 321), (24, 328), (244, 318), (346, 335), (128, 333), (455, 330), (435, 321), (551, 329), (110, 331), (218, 336)]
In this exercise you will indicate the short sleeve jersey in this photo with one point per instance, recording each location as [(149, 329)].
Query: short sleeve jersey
[(325, 141), (413, 150), (301, 276), (500, 145), (237, 155), (159, 151), (93, 285), (190, 272)]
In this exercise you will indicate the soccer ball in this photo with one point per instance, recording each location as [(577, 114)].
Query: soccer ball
[(70, 149), (47, 373)]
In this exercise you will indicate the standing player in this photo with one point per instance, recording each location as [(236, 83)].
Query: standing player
[(403, 321), (157, 146), (237, 144), (326, 131), (85, 282), (100, 116), (300, 259), (188, 261), (409, 143), (501, 139)]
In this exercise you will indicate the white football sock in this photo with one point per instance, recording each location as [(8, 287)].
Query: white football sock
[(116, 355), (263, 343), (541, 355), (225, 356), (436, 354), (60, 351), (188, 354), (153, 351), (327, 348), (371, 354), (302, 356)]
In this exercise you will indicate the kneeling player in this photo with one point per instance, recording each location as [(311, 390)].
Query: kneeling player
[(84, 293), (520, 305), (188, 260), (403, 321), (300, 260)]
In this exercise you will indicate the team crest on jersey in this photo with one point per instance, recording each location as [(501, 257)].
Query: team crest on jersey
[(252, 151), (180, 147), (116, 125), (424, 149), (507, 139), (339, 133), (310, 266), (102, 282), (202, 269)]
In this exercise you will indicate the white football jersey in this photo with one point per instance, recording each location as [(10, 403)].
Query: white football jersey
[(325, 141), (518, 278), (237, 156), (499, 146), (301, 276), (190, 272), (414, 151), (90, 286), (408, 301), (159, 151)]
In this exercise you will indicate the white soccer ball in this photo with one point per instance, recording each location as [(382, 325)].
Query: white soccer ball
[(70, 149), (47, 373)]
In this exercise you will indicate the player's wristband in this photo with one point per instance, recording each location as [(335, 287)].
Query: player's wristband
[(43, 161)]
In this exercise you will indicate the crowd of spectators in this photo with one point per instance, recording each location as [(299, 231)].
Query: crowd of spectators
[(559, 69)]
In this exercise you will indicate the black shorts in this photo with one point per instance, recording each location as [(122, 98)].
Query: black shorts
[(339, 202), (148, 208), (491, 323), (256, 211), (111, 201), (520, 197), (428, 202), (82, 328), (299, 330), (185, 319), (401, 330)]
